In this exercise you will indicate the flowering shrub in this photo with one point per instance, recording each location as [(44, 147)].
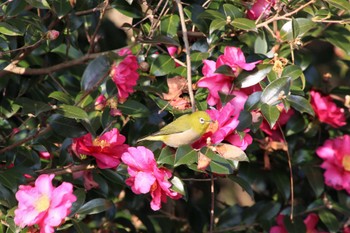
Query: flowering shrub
[(82, 82)]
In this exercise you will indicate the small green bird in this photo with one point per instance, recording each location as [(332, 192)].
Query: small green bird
[(183, 131)]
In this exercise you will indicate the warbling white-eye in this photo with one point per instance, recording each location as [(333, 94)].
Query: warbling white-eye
[(183, 131)]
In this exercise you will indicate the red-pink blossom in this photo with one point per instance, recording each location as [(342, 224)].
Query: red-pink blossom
[(336, 155), (43, 204), (44, 154), (220, 83), (310, 222), (234, 58), (89, 182), (107, 148), (215, 82), (326, 110), (227, 119), (52, 34), (260, 7), (124, 74), (146, 177)]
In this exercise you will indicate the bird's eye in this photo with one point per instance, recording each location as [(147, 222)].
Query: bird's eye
[(201, 120)]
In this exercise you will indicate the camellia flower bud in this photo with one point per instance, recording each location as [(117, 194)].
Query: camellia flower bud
[(52, 34)]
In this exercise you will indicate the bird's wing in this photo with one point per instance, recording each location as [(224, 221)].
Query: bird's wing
[(183, 123)]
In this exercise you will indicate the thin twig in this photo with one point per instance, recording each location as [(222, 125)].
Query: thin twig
[(212, 204), (188, 55), (27, 139), (93, 37), (291, 179)]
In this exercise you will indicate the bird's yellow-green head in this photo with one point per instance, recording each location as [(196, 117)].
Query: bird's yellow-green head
[(183, 131)]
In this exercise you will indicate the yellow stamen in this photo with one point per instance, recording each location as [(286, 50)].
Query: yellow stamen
[(346, 162), (101, 143), (42, 203)]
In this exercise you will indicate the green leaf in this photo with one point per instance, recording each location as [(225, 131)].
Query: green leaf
[(296, 226), (250, 78), (277, 89), (304, 26), (166, 156), (72, 112), (260, 44), (178, 185), (232, 11), (81, 195), (245, 120), (169, 25), (281, 180), (81, 227), (243, 183), (300, 104), (62, 8), (162, 65), (295, 125), (94, 72), (160, 39), (33, 106), (292, 71), (226, 70), (134, 109), (243, 23), (9, 30), (218, 164), (134, 10), (71, 127), (269, 210), (271, 113), (185, 155), (330, 220), (62, 97), (253, 101), (112, 176), (295, 28), (95, 206), (196, 60), (212, 15), (217, 25), (340, 4), (315, 179), (41, 4)]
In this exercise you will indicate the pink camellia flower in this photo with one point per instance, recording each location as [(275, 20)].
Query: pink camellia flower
[(215, 82), (310, 222), (220, 83), (125, 74), (336, 155), (107, 148), (89, 182), (43, 204), (44, 154), (234, 58), (260, 7), (326, 110), (146, 177), (227, 119)]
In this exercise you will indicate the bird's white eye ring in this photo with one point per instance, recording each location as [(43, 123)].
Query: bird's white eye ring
[(201, 120)]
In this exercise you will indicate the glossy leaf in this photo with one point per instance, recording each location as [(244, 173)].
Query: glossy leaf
[(330, 220), (94, 73), (166, 156), (271, 114), (296, 226), (134, 109), (41, 4), (71, 127), (72, 112), (95, 206), (232, 11), (185, 155), (169, 25), (178, 185), (217, 25), (253, 101), (81, 227), (33, 106), (341, 4), (300, 104), (315, 178), (62, 97), (273, 92), (250, 78), (9, 30), (162, 65), (304, 26), (243, 23)]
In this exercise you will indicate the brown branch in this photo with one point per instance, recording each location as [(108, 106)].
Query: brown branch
[(27, 139), (11, 68), (188, 54), (68, 169)]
